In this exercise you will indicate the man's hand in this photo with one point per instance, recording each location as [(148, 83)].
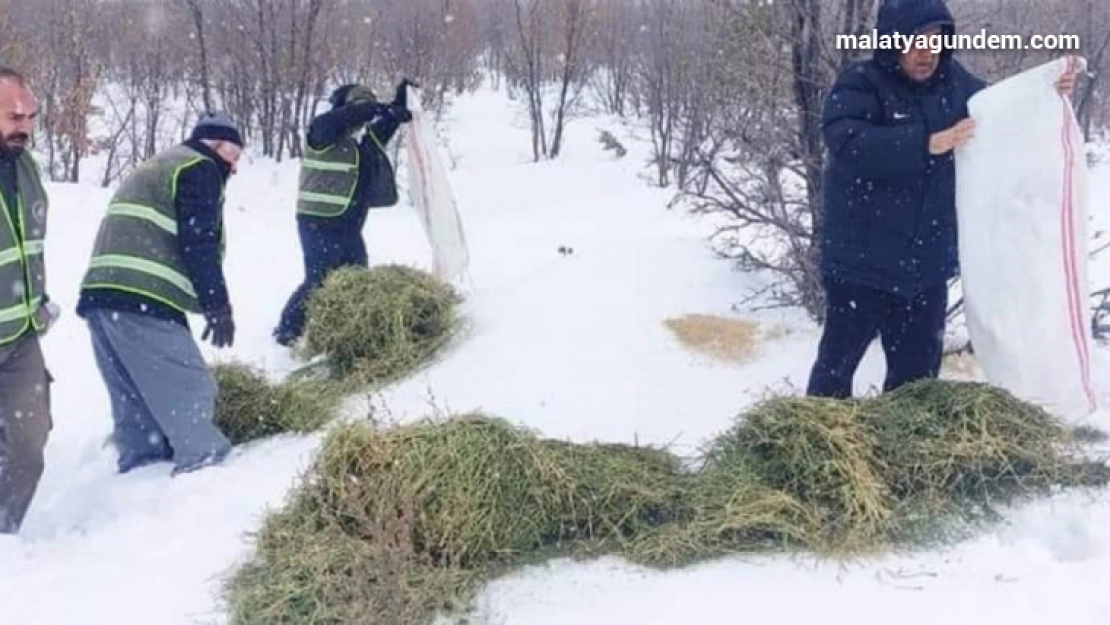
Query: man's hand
[(47, 314), (404, 115), (220, 327), (1065, 85), (957, 136), (401, 96)]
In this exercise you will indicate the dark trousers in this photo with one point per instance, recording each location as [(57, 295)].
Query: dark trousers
[(25, 425), (325, 249), (912, 334)]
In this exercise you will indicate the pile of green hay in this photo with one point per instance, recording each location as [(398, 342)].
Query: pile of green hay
[(853, 477), (953, 453), (250, 407), (377, 325), (445, 503), (400, 525)]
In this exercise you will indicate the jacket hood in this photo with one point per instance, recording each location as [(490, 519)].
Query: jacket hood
[(906, 17)]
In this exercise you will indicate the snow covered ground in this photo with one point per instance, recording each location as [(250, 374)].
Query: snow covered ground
[(571, 345)]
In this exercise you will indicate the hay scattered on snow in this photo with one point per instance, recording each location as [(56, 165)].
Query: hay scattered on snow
[(249, 406), (792, 472), (619, 491), (486, 490), (379, 324), (961, 449), (421, 515), (304, 572), (857, 476), (723, 338), (456, 499)]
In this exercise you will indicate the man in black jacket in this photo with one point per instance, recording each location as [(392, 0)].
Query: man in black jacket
[(889, 242), (341, 179), (157, 257)]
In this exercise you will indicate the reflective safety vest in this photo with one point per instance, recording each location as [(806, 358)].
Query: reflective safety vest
[(328, 177), (22, 269), (136, 249)]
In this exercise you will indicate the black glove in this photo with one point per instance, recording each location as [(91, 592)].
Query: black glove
[(402, 114), (401, 97), (220, 326)]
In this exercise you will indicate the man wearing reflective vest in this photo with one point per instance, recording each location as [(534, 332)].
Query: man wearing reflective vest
[(158, 256), (341, 178), (25, 311)]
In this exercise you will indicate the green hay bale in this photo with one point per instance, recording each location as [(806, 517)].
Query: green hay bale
[(815, 451), (483, 490), (420, 515), (377, 325), (320, 575), (250, 407), (925, 463), (620, 491), (732, 515), (966, 446), (450, 501), (791, 473)]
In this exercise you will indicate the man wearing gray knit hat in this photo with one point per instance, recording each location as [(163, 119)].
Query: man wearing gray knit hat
[(157, 258)]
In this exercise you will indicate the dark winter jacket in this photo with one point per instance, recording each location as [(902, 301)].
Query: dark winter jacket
[(199, 223), (329, 127), (889, 205), (8, 182)]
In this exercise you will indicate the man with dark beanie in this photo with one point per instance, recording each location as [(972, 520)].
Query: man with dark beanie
[(159, 256), (342, 177)]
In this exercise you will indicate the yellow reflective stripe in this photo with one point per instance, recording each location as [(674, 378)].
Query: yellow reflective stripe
[(323, 198), (138, 211), (142, 265), (9, 255), (327, 165), (177, 173), (33, 246), (19, 311)]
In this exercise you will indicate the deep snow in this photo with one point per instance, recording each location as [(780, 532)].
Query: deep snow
[(571, 345)]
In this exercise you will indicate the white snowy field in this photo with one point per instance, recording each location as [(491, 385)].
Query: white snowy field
[(573, 346)]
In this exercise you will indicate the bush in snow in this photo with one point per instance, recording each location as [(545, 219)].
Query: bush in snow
[(379, 324), (249, 407)]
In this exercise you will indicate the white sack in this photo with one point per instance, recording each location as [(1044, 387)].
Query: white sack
[(1022, 211), (432, 196)]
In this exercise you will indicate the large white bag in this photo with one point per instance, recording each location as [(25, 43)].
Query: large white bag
[(432, 196), (1022, 211)]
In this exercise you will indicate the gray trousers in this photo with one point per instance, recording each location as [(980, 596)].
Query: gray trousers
[(25, 425), (163, 395)]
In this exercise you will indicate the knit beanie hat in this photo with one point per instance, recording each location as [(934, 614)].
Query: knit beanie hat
[(351, 93), (217, 126)]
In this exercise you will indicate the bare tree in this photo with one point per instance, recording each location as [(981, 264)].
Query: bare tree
[(197, 15), (526, 65), (548, 55), (613, 52), (763, 158)]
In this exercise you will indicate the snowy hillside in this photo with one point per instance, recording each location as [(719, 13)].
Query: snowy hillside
[(573, 345)]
